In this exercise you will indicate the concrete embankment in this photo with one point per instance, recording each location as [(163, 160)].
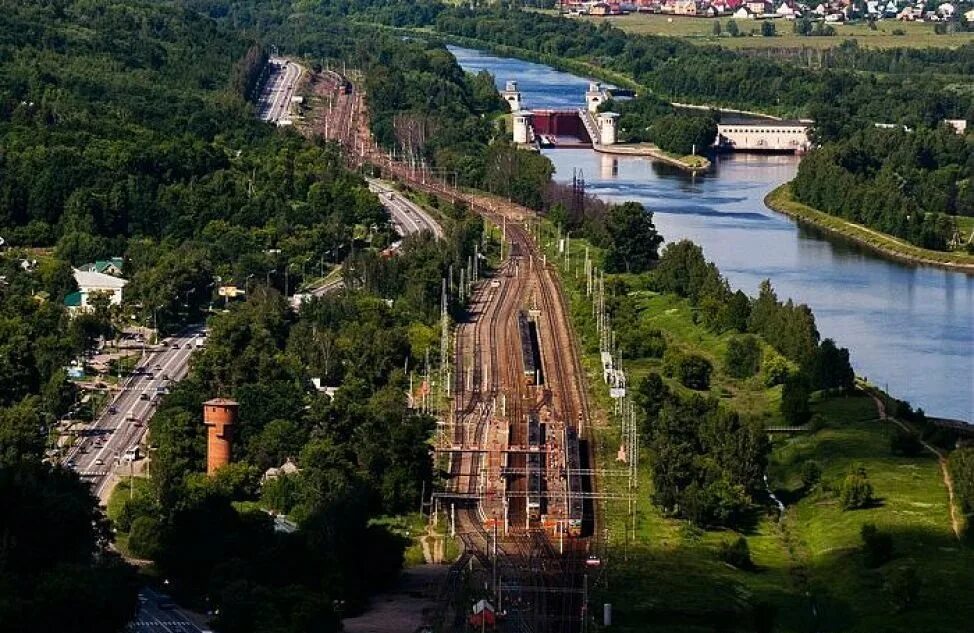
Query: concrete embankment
[(782, 201)]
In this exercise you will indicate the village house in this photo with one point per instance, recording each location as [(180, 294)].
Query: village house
[(93, 284)]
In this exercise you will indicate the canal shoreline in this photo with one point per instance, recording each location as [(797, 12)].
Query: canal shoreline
[(780, 199)]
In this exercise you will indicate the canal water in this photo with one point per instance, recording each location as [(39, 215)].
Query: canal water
[(908, 328)]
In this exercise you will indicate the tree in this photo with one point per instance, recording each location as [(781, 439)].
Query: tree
[(794, 401), (743, 356), (651, 394), (732, 28), (737, 553), (144, 537), (694, 372), (855, 492), (634, 241), (768, 29), (716, 28), (877, 546), (831, 368)]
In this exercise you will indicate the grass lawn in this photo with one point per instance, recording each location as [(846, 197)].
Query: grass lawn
[(669, 576), (701, 31)]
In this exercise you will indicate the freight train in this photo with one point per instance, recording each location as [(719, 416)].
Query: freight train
[(573, 464)]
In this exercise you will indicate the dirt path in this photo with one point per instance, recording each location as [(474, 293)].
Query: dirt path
[(955, 521)]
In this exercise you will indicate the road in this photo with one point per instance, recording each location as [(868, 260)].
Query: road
[(158, 614), (274, 104), (407, 216), (98, 454)]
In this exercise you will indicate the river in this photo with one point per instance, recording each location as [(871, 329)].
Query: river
[(909, 329)]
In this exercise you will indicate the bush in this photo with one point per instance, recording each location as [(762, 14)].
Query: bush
[(877, 546), (902, 587), (743, 356), (144, 538), (694, 372), (776, 371), (905, 444), (737, 553), (856, 491), (811, 474)]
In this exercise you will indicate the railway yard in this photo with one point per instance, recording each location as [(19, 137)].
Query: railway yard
[(520, 492)]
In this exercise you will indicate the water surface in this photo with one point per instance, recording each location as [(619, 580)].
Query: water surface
[(908, 328)]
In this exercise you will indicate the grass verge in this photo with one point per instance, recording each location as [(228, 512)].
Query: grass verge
[(782, 201)]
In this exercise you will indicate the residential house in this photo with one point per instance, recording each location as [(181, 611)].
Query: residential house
[(111, 266), (969, 16), (786, 10), (756, 7), (685, 7), (92, 284), (946, 10), (742, 13)]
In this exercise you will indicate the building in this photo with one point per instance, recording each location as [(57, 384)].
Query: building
[(287, 468), (93, 284), (958, 125), (522, 127), (512, 95), (608, 124), (111, 266), (219, 416), (763, 136)]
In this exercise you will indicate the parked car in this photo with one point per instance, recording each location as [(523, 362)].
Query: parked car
[(112, 410)]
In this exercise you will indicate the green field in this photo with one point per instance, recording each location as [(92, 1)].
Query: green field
[(670, 578), (700, 31)]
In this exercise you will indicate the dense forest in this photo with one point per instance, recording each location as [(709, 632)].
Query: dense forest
[(905, 183), (127, 131)]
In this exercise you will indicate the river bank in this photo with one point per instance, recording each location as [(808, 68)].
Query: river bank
[(781, 200)]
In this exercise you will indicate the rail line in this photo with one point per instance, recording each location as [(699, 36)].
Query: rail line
[(542, 582)]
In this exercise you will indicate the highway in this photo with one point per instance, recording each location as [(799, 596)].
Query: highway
[(100, 449), (274, 104), (158, 614), (407, 216)]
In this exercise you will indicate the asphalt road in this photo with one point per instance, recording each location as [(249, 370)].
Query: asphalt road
[(275, 100), (158, 614), (101, 446), (407, 216)]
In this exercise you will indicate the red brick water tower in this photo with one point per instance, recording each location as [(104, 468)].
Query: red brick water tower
[(219, 415)]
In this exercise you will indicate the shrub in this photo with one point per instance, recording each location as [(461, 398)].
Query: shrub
[(743, 356), (856, 491), (776, 371), (877, 546), (811, 473), (905, 443), (737, 553), (694, 372), (902, 587)]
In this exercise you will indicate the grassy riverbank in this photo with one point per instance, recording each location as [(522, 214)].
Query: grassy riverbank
[(664, 574), (782, 200)]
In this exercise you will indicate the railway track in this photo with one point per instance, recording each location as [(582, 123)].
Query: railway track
[(541, 582)]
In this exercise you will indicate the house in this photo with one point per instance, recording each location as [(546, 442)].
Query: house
[(685, 7), (907, 14), (756, 7), (959, 125), (969, 16), (742, 13), (92, 284), (599, 8), (287, 468), (786, 11), (946, 10), (111, 266)]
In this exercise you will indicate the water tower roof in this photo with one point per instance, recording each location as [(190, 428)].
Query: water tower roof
[(221, 402)]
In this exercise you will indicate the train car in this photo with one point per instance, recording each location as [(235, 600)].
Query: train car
[(535, 432), (529, 354), (575, 503), (535, 486)]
